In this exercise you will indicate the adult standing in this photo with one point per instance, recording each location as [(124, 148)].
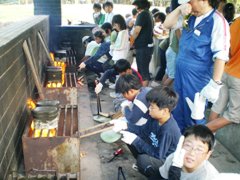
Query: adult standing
[(228, 104), (143, 38), (203, 51)]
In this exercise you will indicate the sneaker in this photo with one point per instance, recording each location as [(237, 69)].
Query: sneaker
[(113, 95), (135, 167), (154, 84), (112, 86)]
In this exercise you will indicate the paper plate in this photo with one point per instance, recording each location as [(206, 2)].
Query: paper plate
[(110, 136), (101, 119)]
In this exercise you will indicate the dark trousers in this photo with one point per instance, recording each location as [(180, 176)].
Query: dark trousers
[(162, 68), (147, 165), (143, 58)]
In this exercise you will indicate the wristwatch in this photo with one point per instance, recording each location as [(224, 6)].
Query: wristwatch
[(218, 82)]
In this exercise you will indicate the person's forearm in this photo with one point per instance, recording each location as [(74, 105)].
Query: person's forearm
[(218, 69), (172, 18)]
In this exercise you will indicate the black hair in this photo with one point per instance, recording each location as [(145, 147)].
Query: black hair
[(127, 82), (88, 40), (107, 27), (118, 19), (203, 133), (229, 12), (160, 16), (121, 65), (142, 4), (100, 35), (163, 97), (168, 10), (154, 10), (134, 11), (97, 6), (108, 4), (214, 3)]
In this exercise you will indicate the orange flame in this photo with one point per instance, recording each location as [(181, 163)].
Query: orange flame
[(31, 104), (43, 132)]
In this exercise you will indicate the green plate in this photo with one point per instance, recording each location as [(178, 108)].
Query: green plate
[(110, 136), (101, 119)]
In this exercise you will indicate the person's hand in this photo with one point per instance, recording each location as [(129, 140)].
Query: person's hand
[(211, 91), (119, 124), (197, 107), (125, 104), (178, 156), (98, 88), (131, 41), (128, 137), (82, 65), (185, 9)]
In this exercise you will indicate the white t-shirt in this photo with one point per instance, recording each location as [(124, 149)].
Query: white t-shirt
[(92, 48), (119, 50), (206, 171), (108, 17)]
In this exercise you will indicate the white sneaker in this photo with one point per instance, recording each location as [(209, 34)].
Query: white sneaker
[(154, 84), (113, 95), (112, 86), (135, 167)]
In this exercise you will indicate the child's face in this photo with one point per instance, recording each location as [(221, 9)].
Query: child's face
[(96, 10), (128, 71), (196, 153), (155, 112), (108, 9), (98, 40), (116, 26)]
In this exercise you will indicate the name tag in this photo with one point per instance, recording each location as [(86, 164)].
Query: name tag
[(197, 32)]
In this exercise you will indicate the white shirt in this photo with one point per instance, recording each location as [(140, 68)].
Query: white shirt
[(108, 17), (120, 48)]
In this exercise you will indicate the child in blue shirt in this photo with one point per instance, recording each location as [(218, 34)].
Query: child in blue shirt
[(153, 142), (136, 108)]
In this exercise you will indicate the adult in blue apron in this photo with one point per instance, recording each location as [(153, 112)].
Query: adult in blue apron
[(195, 64)]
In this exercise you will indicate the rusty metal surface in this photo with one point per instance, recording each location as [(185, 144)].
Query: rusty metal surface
[(66, 94), (60, 153)]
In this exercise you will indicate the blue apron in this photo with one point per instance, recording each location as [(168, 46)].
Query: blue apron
[(194, 66)]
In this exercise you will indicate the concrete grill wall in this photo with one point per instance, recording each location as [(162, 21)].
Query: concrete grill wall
[(17, 85)]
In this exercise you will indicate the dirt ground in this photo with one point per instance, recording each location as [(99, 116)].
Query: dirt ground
[(94, 164)]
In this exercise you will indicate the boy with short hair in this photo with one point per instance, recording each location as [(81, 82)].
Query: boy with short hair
[(98, 17), (108, 8), (121, 67), (192, 159), (136, 108), (153, 142)]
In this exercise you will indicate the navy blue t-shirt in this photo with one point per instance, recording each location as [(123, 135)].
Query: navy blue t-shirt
[(156, 140)]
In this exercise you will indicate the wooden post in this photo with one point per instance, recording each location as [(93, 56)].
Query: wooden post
[(45, 48), (30, 63)]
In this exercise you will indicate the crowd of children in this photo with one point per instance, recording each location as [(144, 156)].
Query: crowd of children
[(194, 55)]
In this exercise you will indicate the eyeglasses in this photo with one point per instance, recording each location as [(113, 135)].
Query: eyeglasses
[(197, 150)]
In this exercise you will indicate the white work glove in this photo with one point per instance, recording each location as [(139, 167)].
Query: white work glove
[(125, 104), (178, 156), (211, 91), (197, 107), (128, 137), (119, 124), (98, 88), (185, 9), (82, 65)]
